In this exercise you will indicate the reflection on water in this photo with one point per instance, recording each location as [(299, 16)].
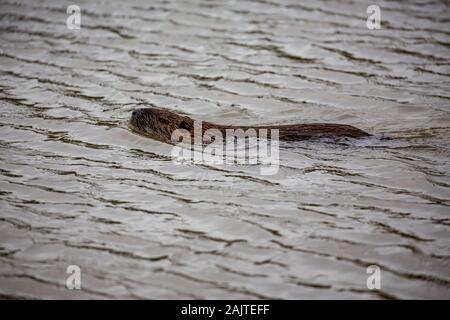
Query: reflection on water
[(77, 187)]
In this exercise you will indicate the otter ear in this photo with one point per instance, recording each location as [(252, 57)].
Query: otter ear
[(185, 125)]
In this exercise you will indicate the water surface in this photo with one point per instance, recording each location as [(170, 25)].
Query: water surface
[(77, 187)]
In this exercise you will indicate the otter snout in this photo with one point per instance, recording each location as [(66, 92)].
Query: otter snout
[(136, 113), (135, 116)]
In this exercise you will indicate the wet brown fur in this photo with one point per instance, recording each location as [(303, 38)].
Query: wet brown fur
[(160, 124)]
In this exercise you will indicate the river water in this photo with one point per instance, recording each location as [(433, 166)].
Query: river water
[(78, 187)]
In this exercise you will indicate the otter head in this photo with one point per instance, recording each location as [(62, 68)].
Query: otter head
[(159, 123)]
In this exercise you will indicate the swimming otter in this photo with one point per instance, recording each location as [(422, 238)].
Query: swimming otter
[(160, 124)]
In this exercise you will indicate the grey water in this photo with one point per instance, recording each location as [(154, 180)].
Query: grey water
[(78, 187)]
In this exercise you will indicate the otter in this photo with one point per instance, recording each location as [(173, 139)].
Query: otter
[(160, 124)]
